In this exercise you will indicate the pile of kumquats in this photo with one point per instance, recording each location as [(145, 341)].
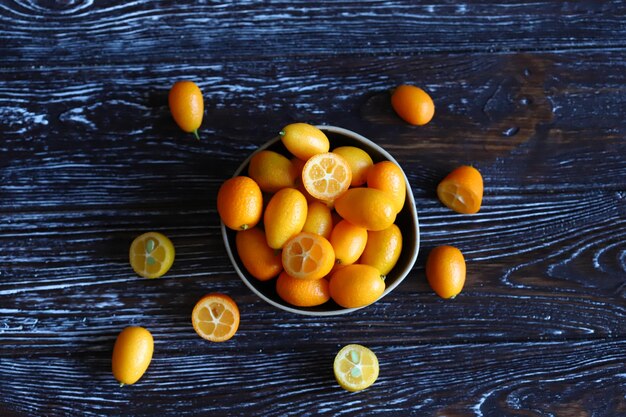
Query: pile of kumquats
[(328, 228), (326, 232)]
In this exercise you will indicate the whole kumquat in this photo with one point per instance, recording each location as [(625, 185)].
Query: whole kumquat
[(304, 140), (187, 106), (383, 249), (445, 271), (356, 285), (261, 261), (132, 354), (319, 219), (388, 177), (413, 104), (240, 203), (348, 241), (284, 216), (272, 171), (359, 162), (302, 292), (366, 207)]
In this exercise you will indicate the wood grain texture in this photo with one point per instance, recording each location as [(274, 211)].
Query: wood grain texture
[(490, 110), (532, 94), (89, 32), (512, 379), (550, 268)]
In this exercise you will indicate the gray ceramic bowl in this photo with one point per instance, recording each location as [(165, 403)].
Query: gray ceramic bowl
[(406, 221)]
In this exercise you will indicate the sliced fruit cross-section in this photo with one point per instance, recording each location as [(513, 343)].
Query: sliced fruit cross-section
[(151, 255), (215, 317), (355, 367), (462, 190), (326, 176), (308, 256)]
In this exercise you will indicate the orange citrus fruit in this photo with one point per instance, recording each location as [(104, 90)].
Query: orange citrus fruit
[(388, 177), (318, 219), (348, 241), (151, 255), (187, 106), (240, 203), (302, 292), (261, 261), (308, 256), (215, 317), (326, 176), (284, 216), (367, 207), (359, 162), (445, 271), (272, 171), (356, 285), (304, 140), (355, 367), (462, 190), (132, 354), (383, 249), (413, 104)]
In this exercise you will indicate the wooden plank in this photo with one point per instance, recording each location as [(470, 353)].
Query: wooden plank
[(540, 267), (103, 136), (141, 31), (508, 379), (531, 93)]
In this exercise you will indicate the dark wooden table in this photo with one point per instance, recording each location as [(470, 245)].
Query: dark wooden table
[(532, 94)]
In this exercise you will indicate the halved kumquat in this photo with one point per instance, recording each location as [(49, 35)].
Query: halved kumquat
[(355, 367), (215, 317), (308, 256), (462, 190), (151, 255), (326, 176)]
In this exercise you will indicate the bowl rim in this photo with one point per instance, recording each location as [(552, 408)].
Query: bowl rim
[(412, 209)]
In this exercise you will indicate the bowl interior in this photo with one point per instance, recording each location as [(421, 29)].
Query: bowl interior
[(406, 220)]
